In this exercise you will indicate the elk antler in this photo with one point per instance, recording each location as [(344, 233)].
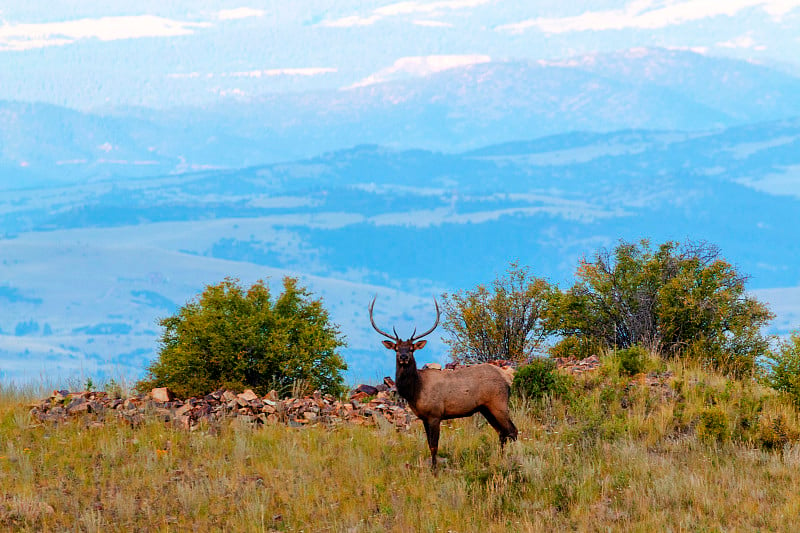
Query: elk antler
[(417, 337), (395, 338)]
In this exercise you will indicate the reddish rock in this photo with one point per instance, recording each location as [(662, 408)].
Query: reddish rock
[(241, 402), (358, 396), (228, 395), (162, 394), (60, 395), (78, 405), (185, 408), (369, 390), (383, 395), (248, 395)]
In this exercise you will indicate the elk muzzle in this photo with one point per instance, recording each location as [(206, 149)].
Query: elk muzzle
[(404, 357)]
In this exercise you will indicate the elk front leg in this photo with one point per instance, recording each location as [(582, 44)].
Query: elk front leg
[(432, 431)]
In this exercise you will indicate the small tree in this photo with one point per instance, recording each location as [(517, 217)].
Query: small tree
[(236, 338), (784, 369), (504, 322), (676, 299)]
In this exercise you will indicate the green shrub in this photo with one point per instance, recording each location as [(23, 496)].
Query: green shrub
[(784, 372), (632, 360), (774, 432), (235, 338), (538, 378), (576, 346), (681, 298), (713, 426), (504, 321)]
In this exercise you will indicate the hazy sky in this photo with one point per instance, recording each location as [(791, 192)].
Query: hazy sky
[(94, 54)]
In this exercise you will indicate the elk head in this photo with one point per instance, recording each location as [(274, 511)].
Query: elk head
[(404, 349)]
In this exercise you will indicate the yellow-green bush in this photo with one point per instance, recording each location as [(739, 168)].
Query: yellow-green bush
[(713, 425), (784, 372), (240, 338), (575, 346)]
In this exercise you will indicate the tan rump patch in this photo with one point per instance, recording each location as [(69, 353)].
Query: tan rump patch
[(508, 373)]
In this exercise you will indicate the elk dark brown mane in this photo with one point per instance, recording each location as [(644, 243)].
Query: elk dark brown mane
[(436, 395)]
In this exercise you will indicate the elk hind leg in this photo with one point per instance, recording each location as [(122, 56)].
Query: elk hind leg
[(501, 423)]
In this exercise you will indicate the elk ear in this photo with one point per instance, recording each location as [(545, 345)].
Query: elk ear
[(420, 345), (389, 344)]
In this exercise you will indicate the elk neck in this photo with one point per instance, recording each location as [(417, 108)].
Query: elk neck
[(408, 381)]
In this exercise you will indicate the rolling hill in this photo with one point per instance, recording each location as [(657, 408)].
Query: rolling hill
[(88, 268)]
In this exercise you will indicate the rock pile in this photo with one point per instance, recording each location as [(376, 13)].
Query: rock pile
[(568, 364), (382, 408), (368, 405), (502, 363), (577, 366)]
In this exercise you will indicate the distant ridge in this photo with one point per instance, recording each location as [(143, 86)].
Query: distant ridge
[(460, 109)]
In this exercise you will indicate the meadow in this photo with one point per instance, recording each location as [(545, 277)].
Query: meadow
[(678, 449)]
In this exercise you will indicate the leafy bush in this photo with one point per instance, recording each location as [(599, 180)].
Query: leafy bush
[(538, 378), (576, 346), (632, 360), (236, 338), (676, 299), (504, 322), (713, 425), (775, 432), (784, 364)]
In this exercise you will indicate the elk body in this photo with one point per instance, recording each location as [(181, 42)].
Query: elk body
[(436, 395)]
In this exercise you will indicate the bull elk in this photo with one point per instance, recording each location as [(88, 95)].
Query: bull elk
[(436, 395)]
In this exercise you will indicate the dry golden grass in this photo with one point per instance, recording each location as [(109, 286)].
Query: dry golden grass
[(583, 463)]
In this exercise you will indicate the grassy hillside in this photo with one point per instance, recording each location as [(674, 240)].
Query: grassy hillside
[(677, 449)]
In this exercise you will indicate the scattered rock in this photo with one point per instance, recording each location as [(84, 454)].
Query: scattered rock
[(502, 363), (578, 366), (162, 394), (358, 396), (60, 395), (369, 390), (383, 395), (432, 366), (248, 395), (228, 395), (78, 405), (182, 410)]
